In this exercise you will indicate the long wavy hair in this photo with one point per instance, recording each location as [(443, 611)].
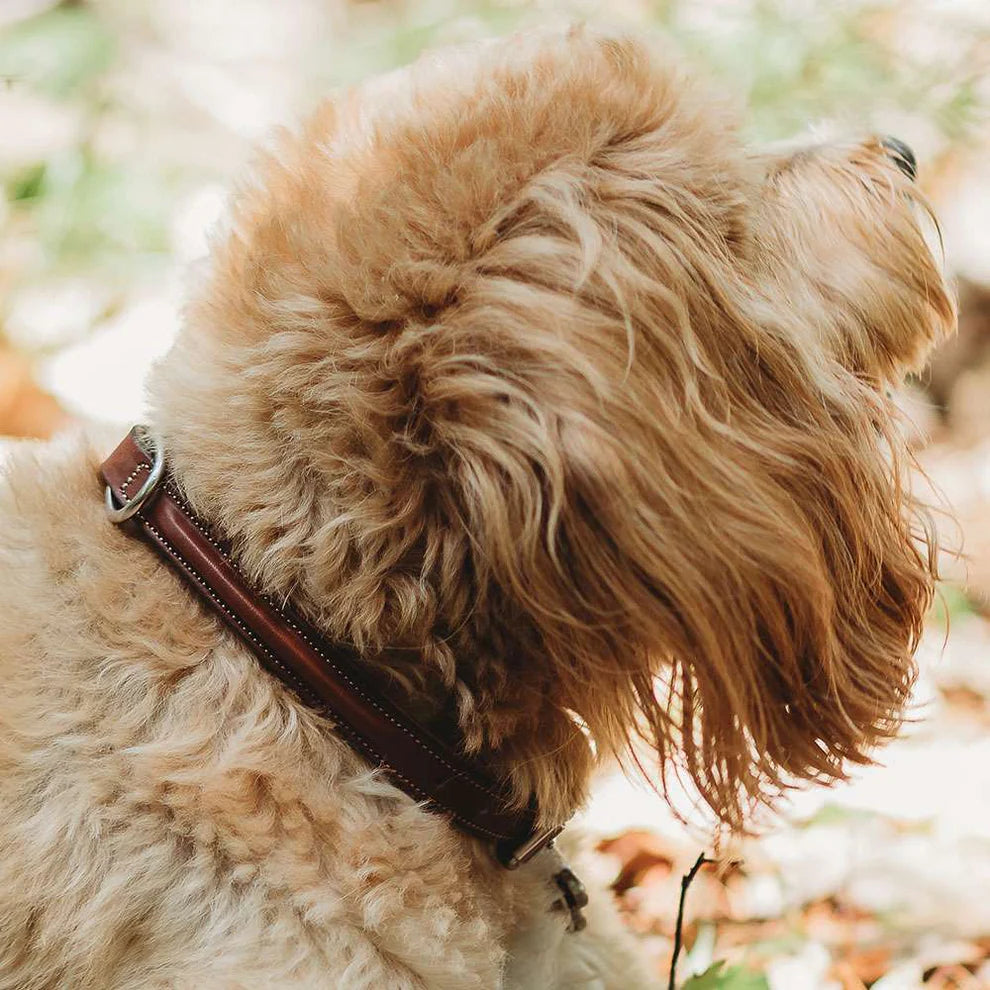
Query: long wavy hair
[(525, 377)]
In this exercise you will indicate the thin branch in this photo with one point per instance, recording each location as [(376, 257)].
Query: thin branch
[(679, 929)]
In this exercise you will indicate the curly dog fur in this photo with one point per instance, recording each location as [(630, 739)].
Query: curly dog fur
[(519, 372)]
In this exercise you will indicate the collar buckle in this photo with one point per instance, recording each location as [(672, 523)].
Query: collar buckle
[(131, 506)]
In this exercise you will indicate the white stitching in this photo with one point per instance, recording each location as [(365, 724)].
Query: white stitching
[(123, 487)]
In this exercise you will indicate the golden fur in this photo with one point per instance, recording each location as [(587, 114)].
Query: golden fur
[(519, 372)]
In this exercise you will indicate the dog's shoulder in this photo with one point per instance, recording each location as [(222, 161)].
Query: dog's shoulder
[(172, 806)]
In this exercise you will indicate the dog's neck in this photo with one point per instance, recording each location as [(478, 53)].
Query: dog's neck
[(485, 676), (428, 765)]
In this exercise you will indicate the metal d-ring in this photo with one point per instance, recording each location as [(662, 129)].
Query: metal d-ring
[(133, 505)]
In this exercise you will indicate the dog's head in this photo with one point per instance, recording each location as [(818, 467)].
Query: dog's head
[(519, 371)]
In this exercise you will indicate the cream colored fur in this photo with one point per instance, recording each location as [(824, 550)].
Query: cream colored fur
[(520, 362)]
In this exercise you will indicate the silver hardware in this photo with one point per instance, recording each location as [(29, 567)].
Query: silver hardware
[(537, 841), (574, 899), (124, 512)]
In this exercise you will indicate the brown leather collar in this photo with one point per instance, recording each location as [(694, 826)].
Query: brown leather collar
[(326, 675)]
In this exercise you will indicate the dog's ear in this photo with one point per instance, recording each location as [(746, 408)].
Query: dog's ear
[(704, 524)]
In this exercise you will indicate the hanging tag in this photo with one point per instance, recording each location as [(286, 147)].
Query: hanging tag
[(574, 897)]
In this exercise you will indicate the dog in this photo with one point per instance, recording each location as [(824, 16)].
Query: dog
[(521, 375)]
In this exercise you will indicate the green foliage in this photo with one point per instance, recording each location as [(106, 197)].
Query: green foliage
[(722, 977), (951, 605), (87, 211), (57, 52), (28, 183), (796, 64), (89, 214)]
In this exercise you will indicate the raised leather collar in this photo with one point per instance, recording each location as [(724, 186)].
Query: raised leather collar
[(328, 676)]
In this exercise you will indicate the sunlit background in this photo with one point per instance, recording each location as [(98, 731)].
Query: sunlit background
[(123, 124)]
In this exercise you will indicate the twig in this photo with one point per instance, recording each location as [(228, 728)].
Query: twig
[(678, 930)]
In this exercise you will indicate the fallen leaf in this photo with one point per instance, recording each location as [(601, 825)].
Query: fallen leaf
[(639, 854)]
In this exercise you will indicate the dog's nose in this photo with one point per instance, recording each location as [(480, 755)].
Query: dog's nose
[(901, 155)]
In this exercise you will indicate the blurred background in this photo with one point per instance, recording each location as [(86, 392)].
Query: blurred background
[(122, 125)]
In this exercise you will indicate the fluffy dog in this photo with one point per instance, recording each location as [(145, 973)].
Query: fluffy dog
[(519, 362)]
